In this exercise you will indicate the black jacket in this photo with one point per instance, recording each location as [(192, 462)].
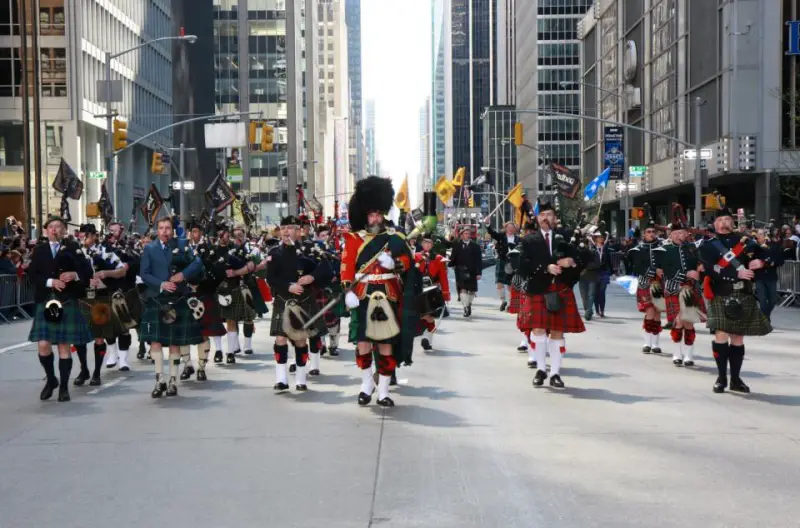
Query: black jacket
[(536, 257), (287, 264), (468, 258), (502, 246), (773, 259), (44, 266)]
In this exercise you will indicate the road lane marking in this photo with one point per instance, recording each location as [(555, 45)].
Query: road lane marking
[(14, 347), (107, 386)]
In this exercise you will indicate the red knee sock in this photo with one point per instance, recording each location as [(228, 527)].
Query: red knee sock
[(676, 334), (689, 335)]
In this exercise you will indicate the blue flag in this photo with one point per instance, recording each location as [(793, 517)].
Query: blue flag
[(536, 209), (600, 181)]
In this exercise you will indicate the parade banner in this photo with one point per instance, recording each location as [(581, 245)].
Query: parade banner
[(614, 152), (152, 204), (219, 194), (567, 180), (67, 181), (105, 205)]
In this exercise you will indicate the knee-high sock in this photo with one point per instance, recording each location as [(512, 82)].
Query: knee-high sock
[(689, 335), (648, 336), (501, 292), (64, 370), (158, 360), (123, 345), (281, 368), (470, 296), (383, 386), (736, 357), (386, 367), (218, 343), (99, 352), (677, 336), (48, 363), (175, 359), (111, 354), (248, 329), (233, 342), (202, 354), (539, 345), (557, 348), (313, 358), (333, 333), (530, 346), (721, 352), (80, 351), (656, 331), (300, 359), (364, 362), (186, 355)]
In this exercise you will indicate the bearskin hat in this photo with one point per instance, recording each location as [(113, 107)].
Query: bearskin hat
[(372, 194), (290, 221)]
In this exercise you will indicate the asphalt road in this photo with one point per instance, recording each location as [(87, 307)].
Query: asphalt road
[(632, 440)]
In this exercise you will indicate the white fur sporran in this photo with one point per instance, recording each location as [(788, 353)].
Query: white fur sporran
[(657, 296), (690, 313), (293, 319), (381, 321)]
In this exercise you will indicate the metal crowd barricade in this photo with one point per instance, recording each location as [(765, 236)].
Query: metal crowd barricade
[(15, 296), (789, 283), (617, 264)]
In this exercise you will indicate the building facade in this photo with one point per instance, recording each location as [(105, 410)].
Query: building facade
[(501, 161), (369, 135), (73, 38), (357, 155), (441, 71), (667, 66), (425, 150)]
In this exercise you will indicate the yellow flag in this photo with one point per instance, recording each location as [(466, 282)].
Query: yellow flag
[(444, 189), (458, 179), (401, 198), (515, 196)]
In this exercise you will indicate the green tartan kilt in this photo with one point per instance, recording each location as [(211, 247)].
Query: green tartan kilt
[(184, 331), (238, 310), (753, 323), (309, 304), (109, 331), (71, 330)]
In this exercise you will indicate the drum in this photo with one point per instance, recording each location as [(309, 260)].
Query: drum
[(512, 266), (430, 301)]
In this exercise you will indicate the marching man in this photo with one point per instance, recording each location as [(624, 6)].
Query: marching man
[(435, 268)]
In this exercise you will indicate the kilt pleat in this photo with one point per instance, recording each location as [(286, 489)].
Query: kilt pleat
[(309, 304), (238, 310), (644, 301), (184, 331), (71, 330), (212, 324), (515, 304), (534, 314), (753, 323), (500, 275)]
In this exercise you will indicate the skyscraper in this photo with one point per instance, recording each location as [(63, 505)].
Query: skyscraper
[(369, 132), (353, 14), (425, 158), (440, 75)]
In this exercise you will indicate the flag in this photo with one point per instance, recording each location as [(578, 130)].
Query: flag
[(471, 201), (219, 194), (401, 198), (458, 179), (444, 189), (105, 205), (152, 204), (67, 182), (238, 214), (515, 196), (536, 209), (594, 186)]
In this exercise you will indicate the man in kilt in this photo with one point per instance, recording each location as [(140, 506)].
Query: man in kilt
[(729, 260), (292, 277), (235, 296), (517, 291), (205, 287), (643, 259), (504, 242), (434, 267), (167, 263), (552, 267), (467, 261), (255, 264), (104, 322), (333, 317), (677, 258), (59, 273)]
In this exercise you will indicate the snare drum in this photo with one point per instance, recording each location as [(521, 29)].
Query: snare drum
[(430, 301)]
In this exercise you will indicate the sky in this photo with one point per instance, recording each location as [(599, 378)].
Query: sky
[(396, 73)]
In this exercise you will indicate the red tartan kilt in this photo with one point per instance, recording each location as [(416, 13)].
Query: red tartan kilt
[(212, 324), (643, 299), (673, 304), (534, 314), (516, 302), (263, 288)]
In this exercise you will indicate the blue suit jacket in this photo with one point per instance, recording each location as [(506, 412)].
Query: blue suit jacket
[(156, 262)]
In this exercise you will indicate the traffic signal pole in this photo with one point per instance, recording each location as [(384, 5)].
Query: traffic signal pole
[(112, 178)]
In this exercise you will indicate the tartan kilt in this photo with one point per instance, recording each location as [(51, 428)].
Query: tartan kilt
[(673, 303), (643, 299), (109, 331), (71, 330), (238, 310), (184, 331), (324, 296), (515, 304), (309, 304), (212, 324), (753, 323), (500, 275), (534, 314)]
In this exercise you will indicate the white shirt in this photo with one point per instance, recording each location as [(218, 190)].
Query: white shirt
[(545, 235)]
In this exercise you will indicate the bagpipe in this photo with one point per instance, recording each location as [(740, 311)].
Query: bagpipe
[(69, 258)]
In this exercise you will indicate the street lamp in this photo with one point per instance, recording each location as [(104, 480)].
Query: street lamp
[(191, 39)]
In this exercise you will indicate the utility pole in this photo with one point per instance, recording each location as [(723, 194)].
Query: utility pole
[(26, 119), (698, 182), (109, 136), (182, 150)]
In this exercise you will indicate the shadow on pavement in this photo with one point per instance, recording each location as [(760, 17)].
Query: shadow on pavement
[(774, 399), (414, 414), (339, 380), (431, 393), (447, 353), (591, 374), (607, 395), (314, 395)]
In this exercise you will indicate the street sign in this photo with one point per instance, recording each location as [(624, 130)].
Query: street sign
[(614, 151), (165, 158), (97, 175), (632, 186), (187, 185), (703, 163), (637, 171), (692, 154), (138, 192), (235, 178)]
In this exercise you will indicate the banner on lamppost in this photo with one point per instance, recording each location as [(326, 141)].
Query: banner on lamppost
[(567, 180), (614, 151)]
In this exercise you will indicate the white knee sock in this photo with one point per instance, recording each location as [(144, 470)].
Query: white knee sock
[(186, 354), (688, 352), (281, 373), (367, 383), (648, 339), (502, 294), (556, 348), (111, 354), (539, 345), (158, 360), (300, 375), (174, 358), (313, 359), (248, 343), (123, 358), (218, 343), (524, 342), (233, 342), (333, 333), (383, 386), (655, 339)]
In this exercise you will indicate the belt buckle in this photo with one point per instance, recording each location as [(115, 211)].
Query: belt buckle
[(738, 286), (90, 294)]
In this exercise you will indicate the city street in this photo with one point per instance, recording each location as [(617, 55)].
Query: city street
[(631, 441)]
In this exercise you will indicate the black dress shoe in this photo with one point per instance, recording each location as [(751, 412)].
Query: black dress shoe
[(82, 377), (364, 398), (426, 344), (248, 352), (386, 402), (655, 350), (140, 353), (720, 385), (201, 375), (230, 359), (555, 381), (49, 386), (538, 379), (677, 362), (111, 365), (63, 394), (646, 350), (313, 372), (323, 350), (172, 387), (187, 373), (159, 389), (688, 363), (95, 381), (333, 351), (218, 356), (293, 367), (503, 306), (532, 364), (280, 387), (237, 351), (522, 349), (301, 388), (126, 368), (393, 380), (737, 385)]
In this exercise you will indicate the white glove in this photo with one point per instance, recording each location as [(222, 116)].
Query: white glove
[(351, 300), (386, 261)]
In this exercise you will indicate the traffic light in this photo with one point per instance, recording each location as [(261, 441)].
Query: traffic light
[(518, 135), (267, 138), (471, 202), (157, 167), (120, 134), (252, 135), (637, 213), (714, 201)]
